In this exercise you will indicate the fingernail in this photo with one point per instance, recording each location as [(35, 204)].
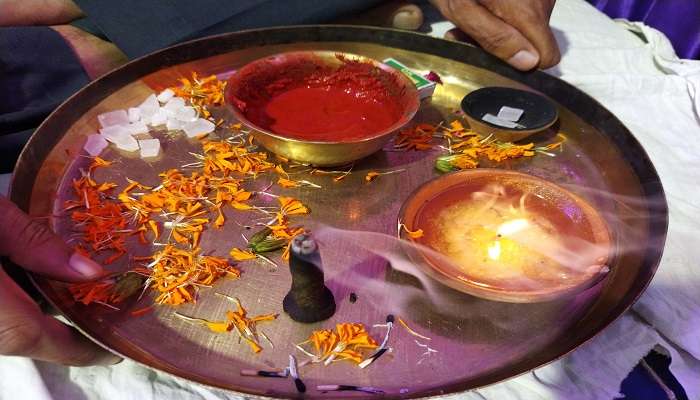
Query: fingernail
[(84, 266), (524, 60), (111, 359), (407, 19)]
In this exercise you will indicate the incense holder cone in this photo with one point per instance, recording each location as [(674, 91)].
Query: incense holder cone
[(309, 300)]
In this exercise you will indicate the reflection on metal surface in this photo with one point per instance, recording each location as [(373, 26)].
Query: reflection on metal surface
[(479, 342)]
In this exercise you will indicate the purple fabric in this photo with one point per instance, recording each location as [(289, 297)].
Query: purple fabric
[(678, 19)]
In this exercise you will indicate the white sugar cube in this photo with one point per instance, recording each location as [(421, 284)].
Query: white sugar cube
[(118, 117), (165, 95), (159, 118), (174, 104), (127, 143), (138, 127), (149, 106), (149, 147), (174, 124), (95, 144), (510, 113), (186, 114), (490, 118), (134, 114), (198, 127), (116, 132)]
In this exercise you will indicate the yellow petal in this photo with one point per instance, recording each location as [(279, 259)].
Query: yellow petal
[(280, 170), (371, 176), (218, 327), (340, 177), (418, 233), (242, 255), (286, 183), (292, 206), (456, 126), (100, 162), (220, 220), (240, 206)]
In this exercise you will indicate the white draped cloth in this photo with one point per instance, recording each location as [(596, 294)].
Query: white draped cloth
[(638, 77)]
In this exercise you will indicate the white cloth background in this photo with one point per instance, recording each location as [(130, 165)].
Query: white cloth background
[(657, 96)]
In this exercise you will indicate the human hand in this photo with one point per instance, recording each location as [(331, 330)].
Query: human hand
[(38, 12), (516, 31), (399, 14), (96, 56), (24, 329)]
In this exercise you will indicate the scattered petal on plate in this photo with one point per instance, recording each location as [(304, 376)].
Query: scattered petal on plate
[(242, 255), (165, 95), (287, 183), (134, 114), (418, 233), (118, 117), (149, 147), (95, 144), (433, 77), (371, 175), (198, 127)]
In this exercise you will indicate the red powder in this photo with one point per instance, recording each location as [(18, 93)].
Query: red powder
[(317, 103), (329, 114)]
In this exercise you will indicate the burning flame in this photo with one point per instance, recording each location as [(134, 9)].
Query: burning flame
[(495, 250), (505, 229), (512, 226)]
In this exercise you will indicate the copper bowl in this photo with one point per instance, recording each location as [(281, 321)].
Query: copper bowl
[(319, 153), (569, 253)]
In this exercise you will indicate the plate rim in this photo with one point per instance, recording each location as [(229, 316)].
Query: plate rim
[(45, 137)]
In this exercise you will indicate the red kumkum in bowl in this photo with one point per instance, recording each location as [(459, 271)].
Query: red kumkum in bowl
[(507, 236), (324, 108)]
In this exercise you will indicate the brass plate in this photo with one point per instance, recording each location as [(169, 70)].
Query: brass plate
[(479, 342)]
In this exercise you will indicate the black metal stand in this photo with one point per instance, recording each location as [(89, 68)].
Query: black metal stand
[(309, 300)]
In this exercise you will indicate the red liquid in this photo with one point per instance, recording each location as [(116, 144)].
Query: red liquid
[(329, 113)]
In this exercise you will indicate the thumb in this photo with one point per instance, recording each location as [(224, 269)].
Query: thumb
[(493, 34), (397, 14), (32, 245), (26, 332)]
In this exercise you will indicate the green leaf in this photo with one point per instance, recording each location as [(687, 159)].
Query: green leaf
[(259, 236), (267, 245), (129, 284), (443, 164)]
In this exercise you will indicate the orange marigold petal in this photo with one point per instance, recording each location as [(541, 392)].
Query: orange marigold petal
[(372, 175), (242, 255)]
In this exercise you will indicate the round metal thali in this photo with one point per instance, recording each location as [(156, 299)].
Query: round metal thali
[(478, 343)]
